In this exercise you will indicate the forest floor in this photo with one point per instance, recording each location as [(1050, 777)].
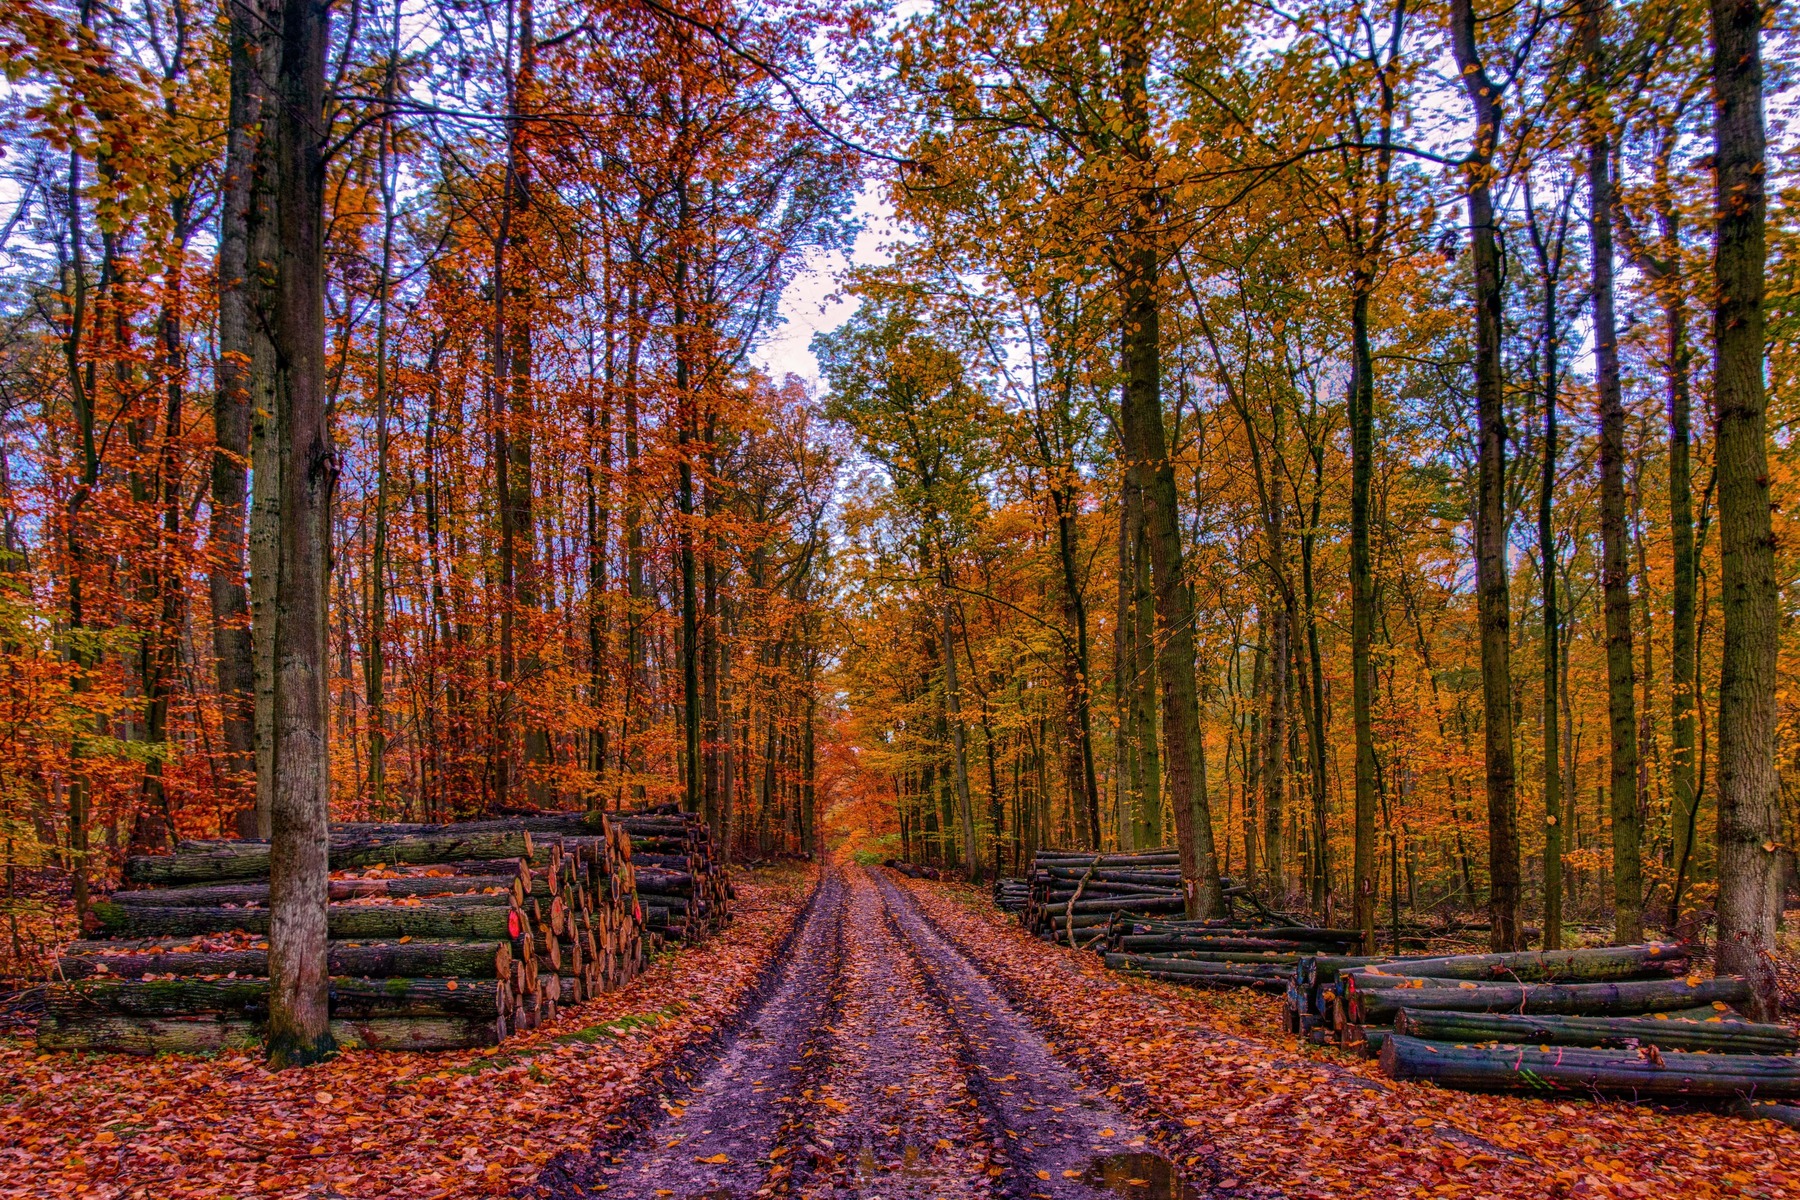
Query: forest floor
[(871, 1036), (1262, 1114), (381, 1124)]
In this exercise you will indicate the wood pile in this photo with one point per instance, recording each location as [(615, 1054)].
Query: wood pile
[(1011, 895), (681, 880), (442, 937), (1129, 905), (912, 870), (1615, 1020), (1074, 895)]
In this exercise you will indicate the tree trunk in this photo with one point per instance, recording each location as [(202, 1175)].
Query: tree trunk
[(1749, 900), (1147, 823), (597, 477), (266, 435), (965, 814), (1137, 259), (1125, 784), (1491, 504), (375, 661), (1684, 699), (298, 1029), (1082, 777), (1665, 271), (687, 420), (1362, 611), (1615, 570), (1314, 697), (241, 347), (1553, 831)]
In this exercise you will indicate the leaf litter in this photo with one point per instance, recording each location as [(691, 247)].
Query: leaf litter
[(375, 1124), (1267, 1115)]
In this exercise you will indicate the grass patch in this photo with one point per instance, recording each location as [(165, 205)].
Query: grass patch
[(619, 1026), (495, 1062)]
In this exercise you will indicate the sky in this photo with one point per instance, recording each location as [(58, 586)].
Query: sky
[(811, 304)]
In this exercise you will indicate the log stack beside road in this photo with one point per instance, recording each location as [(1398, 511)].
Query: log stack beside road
[(680, 879), (441, 936), (1627, 1021)]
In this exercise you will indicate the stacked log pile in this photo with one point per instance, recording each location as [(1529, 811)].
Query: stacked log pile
[(1617, 1020), (912, 870), (1011, 895), (1073, 895), (1220, 953), (1128, 906), (442, 937), (681, 881)]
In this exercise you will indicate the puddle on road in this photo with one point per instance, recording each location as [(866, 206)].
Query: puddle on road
[(1139, 1176)]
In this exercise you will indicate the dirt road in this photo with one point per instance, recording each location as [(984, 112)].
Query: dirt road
[(879, 1061)]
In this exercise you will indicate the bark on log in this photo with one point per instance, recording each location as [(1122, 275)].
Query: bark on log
[(1596, 965), (1769, 1110), (1183, 966), (1377, 1007), (1719, 1037), (350, 999), (250, 860), (1633, 1074), (461, 960), (202, 1034), (1215, 982), (483, 922)]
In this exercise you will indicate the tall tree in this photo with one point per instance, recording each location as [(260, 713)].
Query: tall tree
[(1549, 240), (242, 387), (1491, 493), (1615, 568), (1749, 787), (299, 1028), (1137, 260)]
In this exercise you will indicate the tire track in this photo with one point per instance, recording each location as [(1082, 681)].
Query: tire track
[(881, 1061), (1049, 1126), (732, 1132), (895, 1115)]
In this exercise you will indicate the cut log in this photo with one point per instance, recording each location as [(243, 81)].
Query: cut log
[(202, 1034), (1218, 982), (340, 889), (1718, 1037), (1278, 933), (1125, 904), (220, 861), (1100, 887), (1601, 964), (1142, 877), (1630, 1073), (1138, 962), (461, 960), (1377, 1007), (248, 998), (1164, 941), (1769, 1110), (1266, 958), (484, 922)]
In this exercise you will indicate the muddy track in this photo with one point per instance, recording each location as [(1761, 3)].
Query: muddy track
[(729, 1100), (880, 1061)]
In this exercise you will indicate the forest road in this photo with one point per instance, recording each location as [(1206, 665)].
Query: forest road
[(879, 1062)]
